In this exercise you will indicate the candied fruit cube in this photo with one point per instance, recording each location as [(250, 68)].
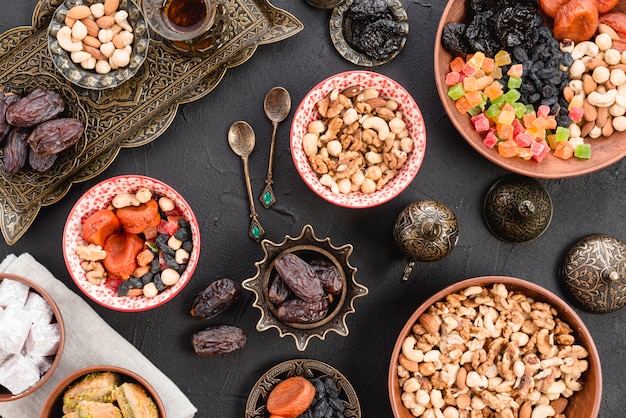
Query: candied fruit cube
[(452, 78), (514, 82), (499, 101), (494, 90), (468, 70), (539, 150), (529, 118), (564, 150), (488, 65), (457, 64), (506, 117), (551, 139), (551, 122), (456, 92), (583, 151), (516, 71), (492, 111), (507, 148), (505, 131), (477, 60), (517, 126), (576, 113), (462, 105), (577, 101), (543, 111), (562, 134), (476, 110), (520, 109), (474, 98), (496, 73), (502, 58), (523, 139), (481, 123), (524, 153), (512, 95), (469, 83), (490, 139)]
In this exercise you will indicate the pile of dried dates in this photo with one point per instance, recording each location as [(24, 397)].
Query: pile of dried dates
[(212, 301), (370, 28), (303, 292), (34, 131)]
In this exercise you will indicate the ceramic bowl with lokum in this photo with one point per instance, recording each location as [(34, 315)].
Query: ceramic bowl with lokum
[(32, 336), (358, 139), (557, 139), (131, 243), (495, 345)]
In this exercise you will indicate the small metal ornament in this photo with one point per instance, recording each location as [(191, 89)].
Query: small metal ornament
[(594, 272), (425, 231), (517, 209), (325, 4)]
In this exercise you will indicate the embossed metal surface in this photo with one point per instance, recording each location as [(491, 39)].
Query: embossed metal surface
[(517, 209), (255, 406), (594, 271), (130, 115)]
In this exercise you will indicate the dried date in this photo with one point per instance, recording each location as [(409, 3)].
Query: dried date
[(55, 135), (299, 311), (278, 292), (300, 277), (15, 150), (6, 100), (40, 163), (39, 106), (218, 340), (215, 299), (329, 276)]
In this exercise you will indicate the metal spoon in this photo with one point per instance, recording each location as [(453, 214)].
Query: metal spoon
[(277, 105), (241, 140)]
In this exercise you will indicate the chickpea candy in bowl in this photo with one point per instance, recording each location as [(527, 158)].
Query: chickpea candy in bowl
[(495, 345), (358, 139), (131, 243)]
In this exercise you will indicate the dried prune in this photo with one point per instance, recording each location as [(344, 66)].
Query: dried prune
[(215, 299), (56, 135), (517, 26), (15, 150), (363, 9), (300, 277), (218, 340), (278, 291), (453, 39), (329, 275), (39, 106), (6, 100), (40, 163), (326, 402), (299, 311)]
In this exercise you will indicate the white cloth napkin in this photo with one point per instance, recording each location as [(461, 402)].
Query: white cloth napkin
[(85, 329)]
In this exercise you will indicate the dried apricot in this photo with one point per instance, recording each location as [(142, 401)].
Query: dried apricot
[(577, 20), (99, 226), (291, 397), (617, 22), (605, 5), (551, 7)]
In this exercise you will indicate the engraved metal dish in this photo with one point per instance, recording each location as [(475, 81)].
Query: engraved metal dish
[(53, 405), (99, 197), (388, 88), (90, 79), (594, 272), (584, 403), (338, 37), (604, 151), (308, 247), (6, 395), (307, 368)]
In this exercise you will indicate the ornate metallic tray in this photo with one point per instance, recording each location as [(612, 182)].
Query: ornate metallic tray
[(130, 115)]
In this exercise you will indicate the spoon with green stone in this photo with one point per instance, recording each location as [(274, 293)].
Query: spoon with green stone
[(277, 105), (241, 140)]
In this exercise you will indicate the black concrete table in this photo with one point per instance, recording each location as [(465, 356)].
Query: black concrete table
[(194, 157)]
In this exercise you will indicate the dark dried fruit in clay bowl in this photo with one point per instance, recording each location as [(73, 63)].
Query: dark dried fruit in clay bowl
[(215, 299), (218, 340)]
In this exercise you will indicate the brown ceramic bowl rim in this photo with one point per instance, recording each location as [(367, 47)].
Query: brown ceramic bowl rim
[(551, 167), (6, 397), (46, 410), (537, 292)]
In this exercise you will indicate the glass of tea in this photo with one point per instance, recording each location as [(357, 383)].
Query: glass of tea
[(184, 24)]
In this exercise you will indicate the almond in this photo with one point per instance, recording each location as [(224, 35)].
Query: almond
[(408, 364), (461, 376), (118, 41), (593, 63), (589, 84), (430, 323), (110, 6), (586, 128), (79, 12), (92, 41), (105, 22), (69, 22), (92, 27), (608, 129), (590, 113), (604, 28), (602, 116), (376, 102), (568, 93), (95, 52), (525, 410), (559, 405)]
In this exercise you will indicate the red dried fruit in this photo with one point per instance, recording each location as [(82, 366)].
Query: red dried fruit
[(577, 20), (551, 7), (605, 5), (291, 397)]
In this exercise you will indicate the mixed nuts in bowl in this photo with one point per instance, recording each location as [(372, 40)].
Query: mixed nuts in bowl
[(495, 345)]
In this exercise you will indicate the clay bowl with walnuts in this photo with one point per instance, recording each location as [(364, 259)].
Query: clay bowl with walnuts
[(308, 111), (604, 151), (559, 353), (5, 394), (53, 405)]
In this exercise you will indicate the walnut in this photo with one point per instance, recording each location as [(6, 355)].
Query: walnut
[(334, 126), (95, 272), (90, 252), (318, 164)]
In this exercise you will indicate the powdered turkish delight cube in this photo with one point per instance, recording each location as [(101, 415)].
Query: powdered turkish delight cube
[(18, 374), (42, 363), (13, 292), (43, 340), (15, 324), (40, 310)]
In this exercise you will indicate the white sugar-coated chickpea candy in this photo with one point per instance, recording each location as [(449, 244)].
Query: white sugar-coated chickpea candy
[(619, 123), (166, 204), (97, 10), (103, 67), (181, 256), (618, 77), (612, 56), (616, 110), (334, 147), (368, 186), (107, 49), (604, 41), (150, 290), (344, 185), (358, 177), (79, 30), (574, 130), (89, 64), (174, 243), (601, 74), (316, 127), (169, 277)]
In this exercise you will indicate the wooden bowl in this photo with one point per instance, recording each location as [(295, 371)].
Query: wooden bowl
[(604, 151), (53, 406), (6, 395), (582, 404)]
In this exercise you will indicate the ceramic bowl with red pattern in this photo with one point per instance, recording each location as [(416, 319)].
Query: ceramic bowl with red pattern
[(347, 165), (106, 292)]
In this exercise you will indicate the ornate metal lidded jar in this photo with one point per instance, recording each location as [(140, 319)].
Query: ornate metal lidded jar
[(594, 272), (425, 231), (517, 209)]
